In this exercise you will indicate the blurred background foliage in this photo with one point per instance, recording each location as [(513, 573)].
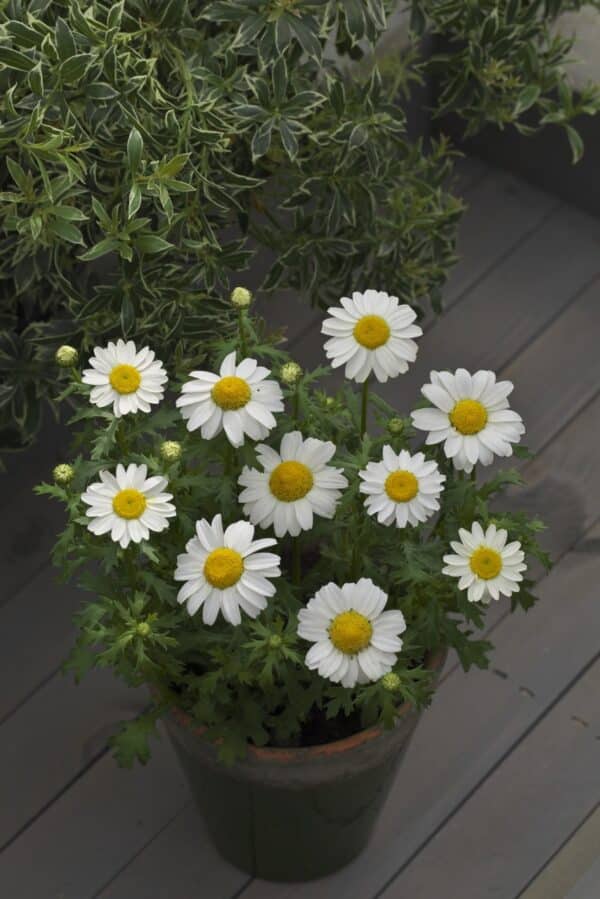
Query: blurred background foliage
[(151, 151)]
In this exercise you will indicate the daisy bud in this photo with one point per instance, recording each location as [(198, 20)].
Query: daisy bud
[(143, 629), (290, 373), (170, 450), (395, 426), (241, 297), (275, 641), (66, 356), (63, 474), (330, 402), (390, 682)]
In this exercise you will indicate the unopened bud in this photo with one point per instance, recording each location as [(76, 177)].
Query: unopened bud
[(275, 641), (241, 297), (291, 373), (390, 682), (143, 629), (170, 450), (66, 356), (395, 426), (63, 474)]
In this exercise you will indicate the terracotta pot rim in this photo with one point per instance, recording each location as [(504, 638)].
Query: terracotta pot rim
[(306, 753)]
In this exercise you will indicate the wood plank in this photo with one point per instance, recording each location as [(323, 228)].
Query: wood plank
[(94, 828), (588, 886), (501, 211), (69, 724), (559, 372), (179, 863), (519, 816), (36, 633), (454, 750), (570, 866)]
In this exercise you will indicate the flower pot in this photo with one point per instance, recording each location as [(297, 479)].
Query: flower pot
[(294, 813)]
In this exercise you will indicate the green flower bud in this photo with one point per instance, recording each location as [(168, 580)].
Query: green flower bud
[(275, 641), (390, 682), (66, 356), (63, 474), (143, 629), (330, 402), (241, 297), (290, 373), (395, 426), (170, 450)]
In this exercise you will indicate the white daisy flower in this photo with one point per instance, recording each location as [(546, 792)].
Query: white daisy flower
[(471, 418), (132, 381), (239, 400), (372, 332), (485, 563), (225, 571), (128, 504), (355, 640), (401, 489), (295, 484)]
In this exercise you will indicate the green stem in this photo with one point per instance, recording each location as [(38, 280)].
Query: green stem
[(242, 333), (364, 408), (296, 406)]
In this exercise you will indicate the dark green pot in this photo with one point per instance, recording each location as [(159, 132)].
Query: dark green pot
[(294, 814)]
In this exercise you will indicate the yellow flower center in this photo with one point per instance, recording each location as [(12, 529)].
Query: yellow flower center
[(486, 563), (469, 416), (125, 378), (350, 632), (223, 568), (401, 486), (371, 331), (290, 481), (231, 393), (129, 503)]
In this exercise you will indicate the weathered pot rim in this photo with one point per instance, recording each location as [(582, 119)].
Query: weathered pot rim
[(433, 661)]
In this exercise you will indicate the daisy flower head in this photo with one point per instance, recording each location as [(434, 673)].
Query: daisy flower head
[(130, 380), (355, 641), (371, 332), (401, 489), (240, 400), (486, 565), (226, 571), (471, 417), (295, 484), (128, 504)]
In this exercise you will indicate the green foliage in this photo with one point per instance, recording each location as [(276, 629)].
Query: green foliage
[(502, 62), (151, 151), (249, 683)]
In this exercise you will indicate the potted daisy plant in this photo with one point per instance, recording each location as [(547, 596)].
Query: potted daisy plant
[(286, 567)]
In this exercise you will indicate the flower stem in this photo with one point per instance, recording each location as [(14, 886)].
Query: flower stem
[(242, 333), (364, 408)]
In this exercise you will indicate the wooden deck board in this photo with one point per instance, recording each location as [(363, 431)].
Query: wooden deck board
[(94, 828), (524, 258), (53, 737), (562, 877), (519, 815)]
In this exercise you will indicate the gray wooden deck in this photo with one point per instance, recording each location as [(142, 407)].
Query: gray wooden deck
[(499, 793)]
